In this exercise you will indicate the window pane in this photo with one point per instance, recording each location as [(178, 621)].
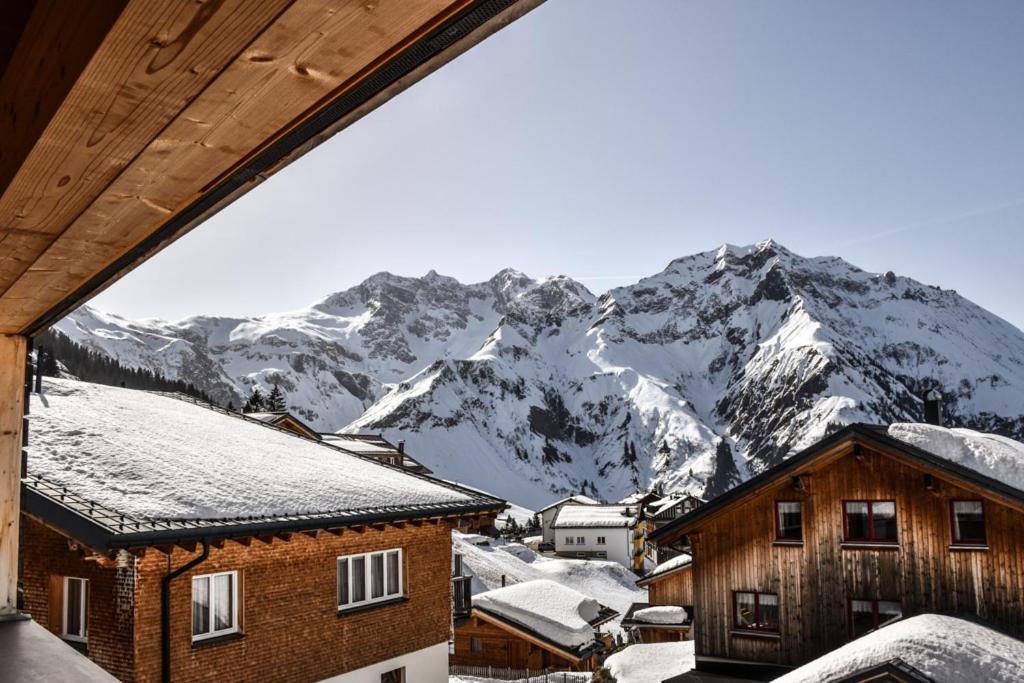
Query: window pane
[(857, 520), (769, 611), (200, 605), (968, 520), (789, 520), (358, 579), (476, 645), (223, 607), (745, 610), (73, 617), (396, 676), (884, 521), (394, 567), (377, 575), (342, 582), (888, 612), (862, 617)]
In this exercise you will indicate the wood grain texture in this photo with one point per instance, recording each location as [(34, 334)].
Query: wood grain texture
[(12, 410), (735, 551)]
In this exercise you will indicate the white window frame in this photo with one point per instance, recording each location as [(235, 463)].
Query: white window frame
[(601, 540), (213, 633), (368, 580), (581, 540), (570, 540), (83, 611)]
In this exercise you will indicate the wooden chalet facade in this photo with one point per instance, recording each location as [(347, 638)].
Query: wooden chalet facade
[(857, 530), (377, 447), (275, 595), (490, 637), (668, 585), (286, 420)]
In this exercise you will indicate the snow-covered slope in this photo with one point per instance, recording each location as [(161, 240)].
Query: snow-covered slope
[(696, 377)]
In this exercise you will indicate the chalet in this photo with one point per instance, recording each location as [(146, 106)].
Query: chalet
[(867, 526), (606, 532), (539, 625), (548, 514), (286, 420), (668, 613), (176, 541), (376, 446), (659, 513)]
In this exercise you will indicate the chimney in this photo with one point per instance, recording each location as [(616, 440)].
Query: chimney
[(933, 407), (401, 446)]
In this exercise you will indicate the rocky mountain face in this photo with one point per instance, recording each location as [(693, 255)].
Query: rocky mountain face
[(697, 377)]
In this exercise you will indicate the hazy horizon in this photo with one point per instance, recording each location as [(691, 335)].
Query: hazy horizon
[(885, 134)]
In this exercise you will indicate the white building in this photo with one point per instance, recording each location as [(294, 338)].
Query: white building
[(547, 515), (597, 531)]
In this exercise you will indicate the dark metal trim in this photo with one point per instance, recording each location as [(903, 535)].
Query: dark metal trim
[(165, 609), (441, 38)]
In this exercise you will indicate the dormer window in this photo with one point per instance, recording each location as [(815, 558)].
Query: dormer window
[(968, 518)]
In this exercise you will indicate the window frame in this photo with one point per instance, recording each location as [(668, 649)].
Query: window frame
[(874, 616), (870, 539), (368, 598), (476, 645), (570, 540), (757, 612), (602, 540), (958, 540), (778, 523), (83, 610), (235, 608), (400, 671), (581, 540)]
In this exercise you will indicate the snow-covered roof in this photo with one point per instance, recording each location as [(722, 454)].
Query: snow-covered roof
[(557, 613), (578, 499), (994, 456), (661, 614), (153, 457), (594, 516), (944, 648), (667, 567), (373, 446), (651, 662)]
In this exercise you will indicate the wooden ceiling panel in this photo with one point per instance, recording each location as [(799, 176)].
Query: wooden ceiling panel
[(177, 98)]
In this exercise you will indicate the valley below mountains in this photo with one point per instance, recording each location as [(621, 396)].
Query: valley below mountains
[(695, 378)]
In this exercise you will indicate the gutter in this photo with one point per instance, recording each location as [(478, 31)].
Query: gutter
[(165, 610)]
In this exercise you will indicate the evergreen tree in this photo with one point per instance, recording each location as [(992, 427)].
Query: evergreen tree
[(275, 401), (256, 403), (231, 406)]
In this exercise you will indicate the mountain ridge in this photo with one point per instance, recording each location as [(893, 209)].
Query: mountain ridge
[(695, 377)]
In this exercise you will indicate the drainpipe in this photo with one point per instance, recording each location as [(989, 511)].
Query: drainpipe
[(165, 610)]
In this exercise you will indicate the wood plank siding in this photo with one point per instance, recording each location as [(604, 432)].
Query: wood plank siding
[(735, 550), (675, 588)]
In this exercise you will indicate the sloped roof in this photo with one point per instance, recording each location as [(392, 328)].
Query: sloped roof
[(876, 434), (133, 467), (667, 568), (373, 445), (578, 498), (594, 516)]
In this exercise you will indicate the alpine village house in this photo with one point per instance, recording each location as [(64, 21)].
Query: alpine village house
[(667, 616), (869, 525), (173, 540)]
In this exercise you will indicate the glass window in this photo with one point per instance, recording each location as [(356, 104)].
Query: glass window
[(870, 520), (369, 577), (581, 540), (393, 676), (756, 611), (968, 521), (569, 540), (789, 520), (867, 615), (476, 645), (76, 599), (214, 605), (600, 540)]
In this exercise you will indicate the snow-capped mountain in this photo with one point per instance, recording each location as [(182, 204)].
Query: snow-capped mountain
[(696, 377)]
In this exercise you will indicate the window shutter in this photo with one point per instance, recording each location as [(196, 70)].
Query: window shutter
[(55, 621)]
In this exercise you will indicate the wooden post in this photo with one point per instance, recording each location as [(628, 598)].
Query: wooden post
[(12, 412)]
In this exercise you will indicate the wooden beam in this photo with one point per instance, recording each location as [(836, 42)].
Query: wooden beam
[(314, 534), (284, 536), (264, 539), (337, 531), (357, 529), (187, 546), (378, 527), (13, 352), (217, 543), (244, 540)]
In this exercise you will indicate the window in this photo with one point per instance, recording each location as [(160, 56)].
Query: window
[(867, 615), (581, 540), (968, 522), (600, 540), (368, 578), (788, 521), (756, 611), (76, 609), (476, 645), (393, 676), (871, 521), (214, 605), (569, 540)]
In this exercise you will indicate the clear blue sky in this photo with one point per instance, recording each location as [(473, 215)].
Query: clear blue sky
[(601, 139)]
